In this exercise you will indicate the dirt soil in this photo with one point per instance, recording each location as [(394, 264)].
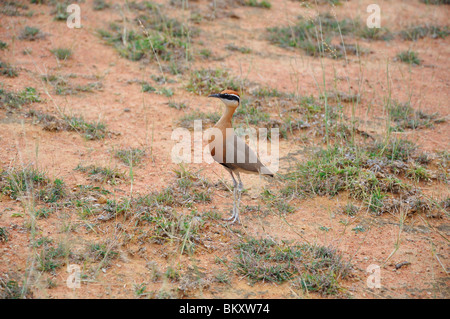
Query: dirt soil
[(145, 120)]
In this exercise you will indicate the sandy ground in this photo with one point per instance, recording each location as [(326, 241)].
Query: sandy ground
[(145, 120)]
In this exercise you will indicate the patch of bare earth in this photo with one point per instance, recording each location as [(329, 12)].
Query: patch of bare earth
[(129, 242)]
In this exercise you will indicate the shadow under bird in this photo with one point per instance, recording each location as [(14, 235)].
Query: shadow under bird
[(242, 159)]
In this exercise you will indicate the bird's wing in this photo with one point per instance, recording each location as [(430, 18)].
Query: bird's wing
[(242, 156)]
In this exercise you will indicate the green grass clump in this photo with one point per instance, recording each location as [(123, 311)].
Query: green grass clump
[(308, 267), (31, 33), (63, 87), (415, 33), (307, 29), (405, 117), (169, 225), (251, 111), (177, 105), (146, 87), (90, 130), (18, 182), (10, 289), (259, 4), (187, 120), (351, 169), (8, 70), (103, 251), (190, 188), (165, 37), (313, 36), (44, 212), (29, 95), (13, 8), (3, 45), (137, 46), (418, 173), (60, 10), (31, 181), (208, 81), (130, 156), (436, 2), (394, 149), (155, 20), (100, 5), (4, 235), (53, 191), (52, 258), (332, 2), (409, 57), (350, 210), (243, 50), (278, 203), (166, 92), (102, 174), (267, 92), (62, 53), (375, 33)]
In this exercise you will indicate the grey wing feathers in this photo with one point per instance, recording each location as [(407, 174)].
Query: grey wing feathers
[(243, 158)]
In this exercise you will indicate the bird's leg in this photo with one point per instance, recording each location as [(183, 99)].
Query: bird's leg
[(240, 188), (235, 184)]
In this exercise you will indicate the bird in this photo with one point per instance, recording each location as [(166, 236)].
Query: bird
[(248, 160)]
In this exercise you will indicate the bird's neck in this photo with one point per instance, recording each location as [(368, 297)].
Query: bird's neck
[(225, 120)]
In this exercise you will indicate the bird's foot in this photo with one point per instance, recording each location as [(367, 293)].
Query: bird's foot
[(233, 218)]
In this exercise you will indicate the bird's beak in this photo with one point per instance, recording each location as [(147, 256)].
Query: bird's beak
[(214, 95)]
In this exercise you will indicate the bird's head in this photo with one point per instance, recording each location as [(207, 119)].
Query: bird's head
[(229, 97)]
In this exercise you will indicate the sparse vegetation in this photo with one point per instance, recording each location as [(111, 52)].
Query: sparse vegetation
[(376, 33), (53, 192), (60, 10), (102, 174), (62, 53), (3, 235), (243, 50), (146, 87), (90, 130), (51, 258), (19, 182), (177, 105), (100, 5), (436, 2), (43, 212), (415, 33), (313, 35), (207, 81), (166, 92), (405, 117), (31, 34), (62, 86), (104, 252), (13, 8), (130, 156), (259, 4), (8, 70), (187, 121), (308, 267), (153, 36), (355, 170), (361, 137), (409, 57)]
